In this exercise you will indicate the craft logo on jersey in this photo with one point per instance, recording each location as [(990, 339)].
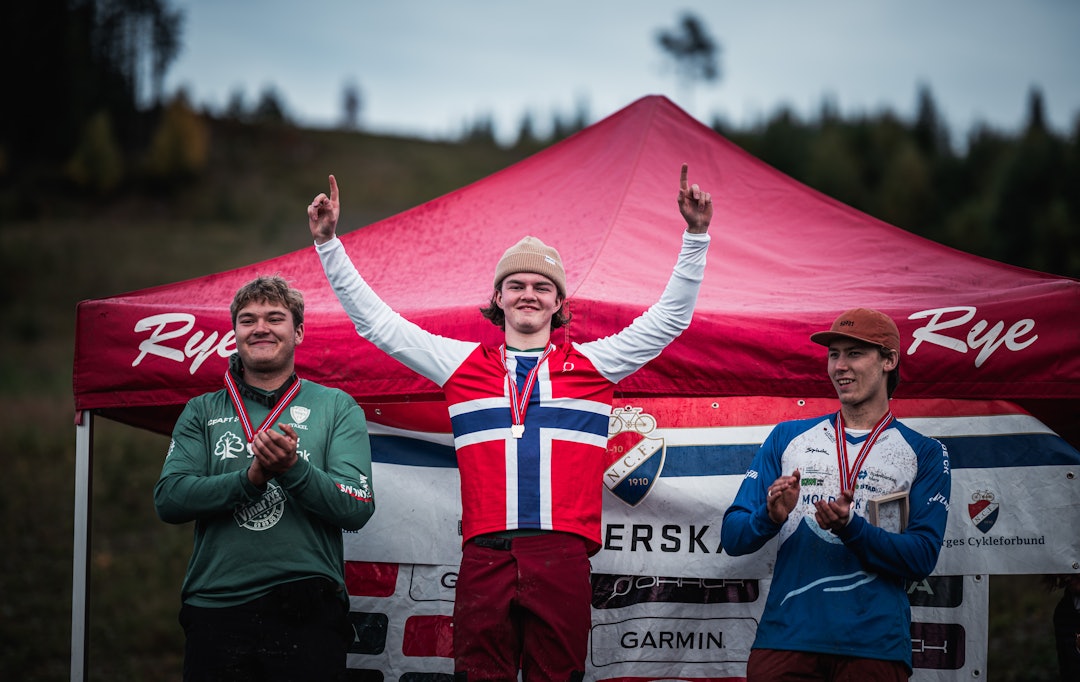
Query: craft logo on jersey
[(636, 457), (983, 510)]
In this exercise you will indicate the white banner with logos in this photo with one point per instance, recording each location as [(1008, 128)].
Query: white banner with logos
[(647, 627), (668, 602), (1009, 515)]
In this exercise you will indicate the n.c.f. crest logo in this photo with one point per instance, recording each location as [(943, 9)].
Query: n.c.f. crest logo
[(983, 510), (636, 457)]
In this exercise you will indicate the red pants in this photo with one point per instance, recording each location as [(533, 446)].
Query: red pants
[(525, 603), (771, 665)]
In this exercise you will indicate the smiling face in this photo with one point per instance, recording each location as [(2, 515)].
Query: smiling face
[(266, 339), (859, 373), (528, 302)]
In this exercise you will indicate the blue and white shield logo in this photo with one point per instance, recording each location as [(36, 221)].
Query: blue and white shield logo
[(636, 456)]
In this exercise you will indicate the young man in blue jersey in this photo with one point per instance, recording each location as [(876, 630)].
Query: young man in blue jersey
[(530, 423), (270, 468), (837, 608)]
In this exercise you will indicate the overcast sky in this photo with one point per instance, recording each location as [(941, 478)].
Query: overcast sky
[(428, 67)]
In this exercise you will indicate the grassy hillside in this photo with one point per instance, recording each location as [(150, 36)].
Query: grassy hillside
[(248, 206)]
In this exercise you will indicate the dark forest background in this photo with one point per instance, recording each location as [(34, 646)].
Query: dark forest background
[(110, 184)]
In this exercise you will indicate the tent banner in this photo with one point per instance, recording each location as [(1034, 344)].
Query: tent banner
[(676, 464), (644, 627)]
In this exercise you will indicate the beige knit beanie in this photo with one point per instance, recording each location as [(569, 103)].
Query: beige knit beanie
[(532, 255)]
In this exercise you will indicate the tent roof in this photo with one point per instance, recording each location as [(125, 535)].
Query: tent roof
[(784, 261)]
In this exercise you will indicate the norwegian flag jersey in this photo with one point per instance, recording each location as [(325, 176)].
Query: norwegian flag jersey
[(549, 478)]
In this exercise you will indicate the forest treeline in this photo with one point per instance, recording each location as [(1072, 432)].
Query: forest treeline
[(90, 121), (1011, 197)]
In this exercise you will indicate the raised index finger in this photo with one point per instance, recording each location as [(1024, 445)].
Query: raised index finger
[(683, 185), (333, 189)]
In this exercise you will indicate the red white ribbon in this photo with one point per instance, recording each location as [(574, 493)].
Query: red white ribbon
[(241, 411), (849, 474), (519, 401)]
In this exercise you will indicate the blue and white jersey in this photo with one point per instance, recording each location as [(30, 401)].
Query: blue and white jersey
[(842, 593)]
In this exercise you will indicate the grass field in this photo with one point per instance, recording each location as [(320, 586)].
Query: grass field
[(250, 206)]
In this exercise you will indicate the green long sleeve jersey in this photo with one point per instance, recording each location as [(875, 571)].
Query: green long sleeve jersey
[(248, 541)]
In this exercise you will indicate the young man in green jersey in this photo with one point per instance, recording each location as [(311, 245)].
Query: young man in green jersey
[(270, 468)]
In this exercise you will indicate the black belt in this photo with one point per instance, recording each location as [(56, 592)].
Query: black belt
[(491, 542)]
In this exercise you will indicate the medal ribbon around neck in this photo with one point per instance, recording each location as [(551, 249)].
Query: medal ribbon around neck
[(519, 403), (241, 411), (849, 476)]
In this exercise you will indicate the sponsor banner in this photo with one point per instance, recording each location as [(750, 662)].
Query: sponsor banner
[(645, 627), (676, 464), (417, 516), (949, 627), (407, 633), (1004, 521)]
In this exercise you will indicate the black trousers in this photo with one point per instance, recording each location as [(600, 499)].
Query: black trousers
[(298, 632)]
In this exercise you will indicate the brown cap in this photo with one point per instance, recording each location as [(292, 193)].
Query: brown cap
[(862, 324), (532, 255)]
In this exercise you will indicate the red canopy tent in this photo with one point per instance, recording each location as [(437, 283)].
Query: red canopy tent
[(784, 261)]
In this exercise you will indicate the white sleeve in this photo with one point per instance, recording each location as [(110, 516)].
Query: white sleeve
[(620, 355), (435, 357)]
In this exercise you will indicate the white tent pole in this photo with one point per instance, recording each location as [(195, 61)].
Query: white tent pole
[(80, 571)]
